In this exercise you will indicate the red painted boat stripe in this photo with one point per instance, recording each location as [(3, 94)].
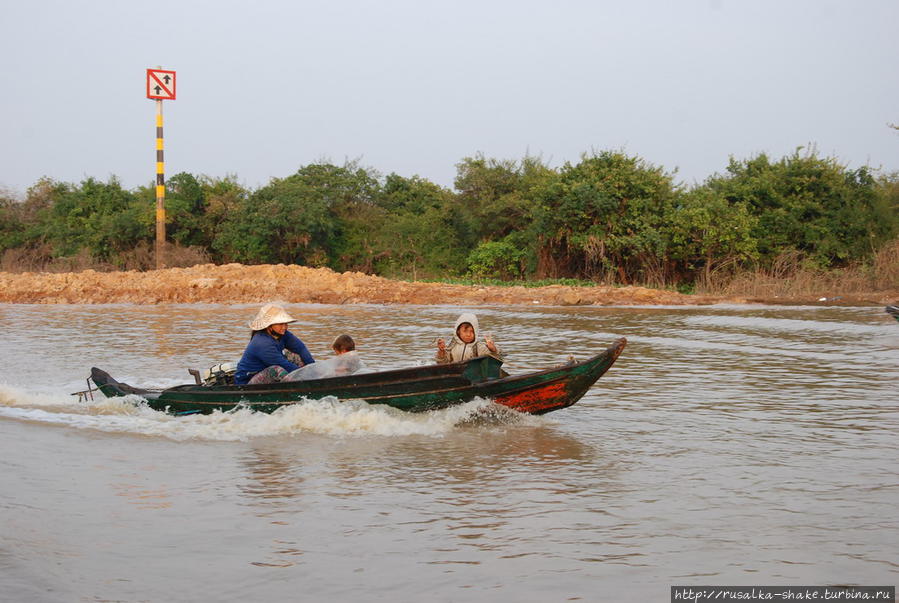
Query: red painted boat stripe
[(537, 399)]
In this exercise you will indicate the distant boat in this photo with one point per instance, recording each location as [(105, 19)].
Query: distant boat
[(413, 389), (894, 311)]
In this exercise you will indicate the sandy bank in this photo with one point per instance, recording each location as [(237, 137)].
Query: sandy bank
[(236, 283)]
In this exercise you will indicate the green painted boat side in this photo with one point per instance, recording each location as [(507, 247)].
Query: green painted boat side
[(414, 389)]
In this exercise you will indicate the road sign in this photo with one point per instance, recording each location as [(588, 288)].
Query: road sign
[(160, 84)]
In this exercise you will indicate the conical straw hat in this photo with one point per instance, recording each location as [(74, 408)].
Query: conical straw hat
[(269, 315)]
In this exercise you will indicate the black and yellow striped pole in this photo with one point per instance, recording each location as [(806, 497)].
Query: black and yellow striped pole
[(160, 190), (160, 86)]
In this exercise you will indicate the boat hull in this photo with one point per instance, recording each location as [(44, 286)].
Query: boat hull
[(893, 311), (415, 389)]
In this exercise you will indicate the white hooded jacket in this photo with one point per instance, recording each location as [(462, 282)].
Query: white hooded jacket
[(458, 351)]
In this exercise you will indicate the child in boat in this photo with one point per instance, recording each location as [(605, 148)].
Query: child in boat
[(345, 362), (464, 344)]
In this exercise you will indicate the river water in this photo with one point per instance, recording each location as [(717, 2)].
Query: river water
[(729, 445)]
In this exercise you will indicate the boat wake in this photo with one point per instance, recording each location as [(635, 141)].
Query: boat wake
[(131, 415)]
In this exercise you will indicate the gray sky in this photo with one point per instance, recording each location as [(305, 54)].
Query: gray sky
[(414, 86)]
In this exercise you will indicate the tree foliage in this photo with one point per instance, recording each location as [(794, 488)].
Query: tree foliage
[(502, 259), (418, 234), (707, 233), (603, 216), (814, 206), (609, 217)]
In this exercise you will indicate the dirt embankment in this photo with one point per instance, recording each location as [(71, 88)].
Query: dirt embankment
[(236, 283)]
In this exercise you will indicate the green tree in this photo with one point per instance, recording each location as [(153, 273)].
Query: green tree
[(99, 217), (283, 222), (31, 216), (185, 205), (501, 259), (708, 233), (418, 233), (496, 196), (888, 191), (11, 224), (298, 219), (223, 199), (604, 217), (815, 206)]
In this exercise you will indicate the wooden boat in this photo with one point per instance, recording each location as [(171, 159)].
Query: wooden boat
[(411, 389), (893, 311)]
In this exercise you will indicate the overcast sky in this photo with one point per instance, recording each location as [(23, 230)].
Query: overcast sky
[(412, 86)]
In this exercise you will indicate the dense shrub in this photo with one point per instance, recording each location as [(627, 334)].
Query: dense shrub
[(610, 217)]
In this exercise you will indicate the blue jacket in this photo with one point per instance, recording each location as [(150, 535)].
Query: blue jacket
[(264, 351)]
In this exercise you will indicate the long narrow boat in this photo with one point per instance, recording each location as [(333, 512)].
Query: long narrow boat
[(893, 311), (411, 389)]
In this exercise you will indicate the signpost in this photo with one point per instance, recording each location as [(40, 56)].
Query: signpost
[(160, 84), (160, 87)]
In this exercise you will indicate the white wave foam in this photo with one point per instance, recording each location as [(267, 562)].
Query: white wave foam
[(15, 397), (329, 416)]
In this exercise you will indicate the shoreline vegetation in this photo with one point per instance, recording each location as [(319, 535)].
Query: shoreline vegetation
[(237, 283), (611, 228)]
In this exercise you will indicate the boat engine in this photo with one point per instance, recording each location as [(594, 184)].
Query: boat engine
[(219, 374)]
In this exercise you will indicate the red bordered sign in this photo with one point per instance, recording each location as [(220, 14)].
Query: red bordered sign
[(160, 84)]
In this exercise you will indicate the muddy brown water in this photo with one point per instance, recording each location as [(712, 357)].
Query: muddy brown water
[(749, 445)]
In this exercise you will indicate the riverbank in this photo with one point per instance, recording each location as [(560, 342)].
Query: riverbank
[(236, 283)]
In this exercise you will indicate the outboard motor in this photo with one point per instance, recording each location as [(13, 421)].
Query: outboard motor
[(219, 374)]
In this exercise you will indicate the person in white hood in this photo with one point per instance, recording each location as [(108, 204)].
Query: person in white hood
[(465, 344)]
